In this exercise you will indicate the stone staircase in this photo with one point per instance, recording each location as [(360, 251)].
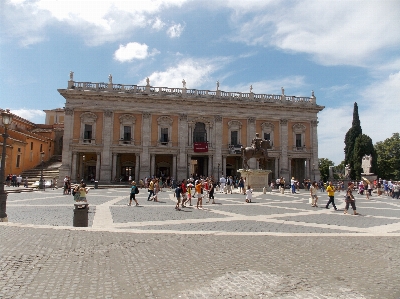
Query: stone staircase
[(50, 171)]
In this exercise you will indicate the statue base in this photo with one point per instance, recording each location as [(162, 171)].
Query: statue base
[(256, 178), (369, 176)]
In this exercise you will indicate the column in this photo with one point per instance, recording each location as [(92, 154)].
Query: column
[(152, 165), (210, 169), (103, 171), (183, 146), (65, 169), (114, 166), (218, 145), (224, 165), (146, 133), (276, 167), (174, 166), (290, 169), (284, 168), (251, 133), (73, 168), (308, 169), (98, 167), (137, 178)]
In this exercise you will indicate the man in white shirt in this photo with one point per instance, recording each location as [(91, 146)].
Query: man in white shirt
[(222, 182)]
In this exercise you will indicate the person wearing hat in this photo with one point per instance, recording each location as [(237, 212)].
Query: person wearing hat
[(134, 191), (350, 200)]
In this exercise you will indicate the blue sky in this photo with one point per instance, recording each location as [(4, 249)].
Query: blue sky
[(346, 51)]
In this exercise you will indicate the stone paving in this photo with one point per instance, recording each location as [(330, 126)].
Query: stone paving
[(276, 247)]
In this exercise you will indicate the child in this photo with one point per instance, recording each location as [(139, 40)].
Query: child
[(249, 194), (134, 191)]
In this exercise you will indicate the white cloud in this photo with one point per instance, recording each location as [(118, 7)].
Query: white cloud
[(332, 32), (33, 115), (175, 30), (97, 21), (158, 24), (196, 72), (133, 51)]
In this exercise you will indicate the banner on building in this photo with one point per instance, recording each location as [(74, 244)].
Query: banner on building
[(200, 147)]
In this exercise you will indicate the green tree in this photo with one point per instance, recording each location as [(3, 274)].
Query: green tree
[(350, 140), (363, 146), (388, 160), (339, 170), (323, 165)]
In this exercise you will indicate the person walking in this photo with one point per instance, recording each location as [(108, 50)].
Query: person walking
[(151, 190), (350, 200), (134, 191), (313, 194), (198, 188), (222, 182), (211, 192), (331, 193), (177, 194)]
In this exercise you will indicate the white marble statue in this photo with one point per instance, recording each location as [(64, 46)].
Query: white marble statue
[(366, 164)]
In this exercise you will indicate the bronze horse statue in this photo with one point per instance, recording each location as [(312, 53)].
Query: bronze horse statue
[(260, 153)]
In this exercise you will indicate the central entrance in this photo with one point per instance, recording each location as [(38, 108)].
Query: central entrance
[(198, 166)]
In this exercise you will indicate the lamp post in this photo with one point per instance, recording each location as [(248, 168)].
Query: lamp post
[(41, 182), (218, 175), (6, 119)]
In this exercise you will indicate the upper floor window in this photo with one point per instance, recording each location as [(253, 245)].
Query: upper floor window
[(298, 140), (235, 130), (268, 132), (88, 127), (299, 137), (164, 130), (31, 146), (127, 125), (200, 133)]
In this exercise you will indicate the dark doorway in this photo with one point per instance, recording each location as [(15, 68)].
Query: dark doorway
[(199, 166)]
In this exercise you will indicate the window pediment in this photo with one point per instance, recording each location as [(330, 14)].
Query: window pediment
[(88, 117), (127, 119)]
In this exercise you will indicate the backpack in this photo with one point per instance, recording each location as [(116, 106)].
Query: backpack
[(136, 190)]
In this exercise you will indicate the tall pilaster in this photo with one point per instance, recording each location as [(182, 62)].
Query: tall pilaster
[(73, 167), (284, 167), (145, 158), (65, 169), (174, 166), (98, 160), (314, 150), (114, 166), (218, 145), (105, 168), (183, 145)]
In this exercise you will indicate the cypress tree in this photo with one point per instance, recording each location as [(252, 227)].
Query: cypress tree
[(350, 140)]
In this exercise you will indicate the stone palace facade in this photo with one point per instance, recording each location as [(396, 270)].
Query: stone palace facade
[(113, 131)]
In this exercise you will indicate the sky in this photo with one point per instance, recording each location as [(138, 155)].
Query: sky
[(346, 51)]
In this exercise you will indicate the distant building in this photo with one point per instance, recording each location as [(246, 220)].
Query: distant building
[(25, 143), (113, 131)]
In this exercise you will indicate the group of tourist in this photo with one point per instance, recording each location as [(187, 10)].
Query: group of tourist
[(14, 180)]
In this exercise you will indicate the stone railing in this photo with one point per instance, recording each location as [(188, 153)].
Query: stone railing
[(189, 93)]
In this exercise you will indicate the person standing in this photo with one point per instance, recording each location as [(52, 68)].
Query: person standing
[(331, 193), (293, 185), (241, 186), (82, 192), (198, 188), (249, 194), (350, 200), (282, 185), (211, 192), (151, 190), (222, 182), (134, 191), (177, 194), (313, 194)]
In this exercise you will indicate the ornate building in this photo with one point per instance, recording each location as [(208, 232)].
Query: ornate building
[(113, 131)]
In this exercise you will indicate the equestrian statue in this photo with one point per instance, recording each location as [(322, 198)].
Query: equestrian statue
[(258, 149)]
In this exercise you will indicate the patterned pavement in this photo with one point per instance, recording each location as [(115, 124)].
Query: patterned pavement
[(278, 246)]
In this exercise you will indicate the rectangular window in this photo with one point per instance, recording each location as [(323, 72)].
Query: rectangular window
[(127, 133), (234, 137), (31, 146), (298, 140), (19, 149), (41, 147), (267, 136), (88, 132), (18, 160), (164, 135)]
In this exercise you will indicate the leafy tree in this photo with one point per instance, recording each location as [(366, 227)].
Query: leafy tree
[(350, 140), (323, 165), (339, 170), (388, 160), (363, 146)]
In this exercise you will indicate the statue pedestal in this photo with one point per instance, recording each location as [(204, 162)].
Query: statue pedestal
[(369, 176), (256, 178)]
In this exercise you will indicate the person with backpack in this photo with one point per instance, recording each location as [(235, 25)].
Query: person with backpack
[(134, 191)]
